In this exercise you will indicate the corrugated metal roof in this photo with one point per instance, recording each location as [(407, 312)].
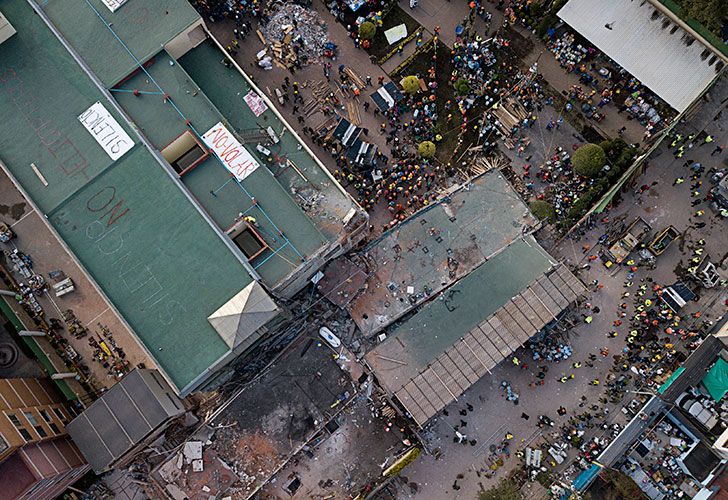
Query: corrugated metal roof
[(656, 51), (694, 368), (123, 416)]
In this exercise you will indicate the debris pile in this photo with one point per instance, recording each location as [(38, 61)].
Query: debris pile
[(297, 36), (547, 348), (511, 395)]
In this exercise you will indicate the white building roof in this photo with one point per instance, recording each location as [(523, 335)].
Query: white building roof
[(665, 58)]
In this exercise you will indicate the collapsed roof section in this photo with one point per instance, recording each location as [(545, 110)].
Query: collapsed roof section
[(435, 248), (458, 337)]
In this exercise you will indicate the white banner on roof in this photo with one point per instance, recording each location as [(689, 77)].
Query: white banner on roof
[(256, 104), (113, 4), (236, 158), (106, 131)]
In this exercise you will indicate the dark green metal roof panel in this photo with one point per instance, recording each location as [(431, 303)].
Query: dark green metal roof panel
[(157, 259), (460, 308), (130, 225), (42, 93), (143, 25)]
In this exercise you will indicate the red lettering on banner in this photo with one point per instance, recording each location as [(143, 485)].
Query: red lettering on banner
[(231, 153), (72, 162)]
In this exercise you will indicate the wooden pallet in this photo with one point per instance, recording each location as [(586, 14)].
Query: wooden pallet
[(355, 78), (353, 109)]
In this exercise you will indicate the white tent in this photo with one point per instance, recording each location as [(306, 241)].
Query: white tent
[(238, 320), (648, 44)]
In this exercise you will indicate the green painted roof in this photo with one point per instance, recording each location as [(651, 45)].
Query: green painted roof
[(161, 123), (131, 226), (144, 26), (457, 310)]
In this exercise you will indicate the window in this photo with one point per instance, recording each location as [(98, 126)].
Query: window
[(36, 425), (247, 239), (19, 426), (26, 435), (184, 153), (14, 420), (31, 418), (3, 444), (59, 413), (49, 420)]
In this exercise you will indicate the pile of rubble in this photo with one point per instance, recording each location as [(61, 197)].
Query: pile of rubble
[(296, 35), (218, 460)]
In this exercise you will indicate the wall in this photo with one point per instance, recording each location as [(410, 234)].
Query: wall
[(38, 398), (187, 40)]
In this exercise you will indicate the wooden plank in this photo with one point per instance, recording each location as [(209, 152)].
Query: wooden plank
[(261, 37), (353, 110), (355, 78)]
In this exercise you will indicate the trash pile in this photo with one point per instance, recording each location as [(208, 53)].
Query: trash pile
[(547, 347), (555, 352), (511, 395), (568, 54), (297, 36)]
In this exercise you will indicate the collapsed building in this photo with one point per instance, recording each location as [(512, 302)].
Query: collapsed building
[(450, 293)]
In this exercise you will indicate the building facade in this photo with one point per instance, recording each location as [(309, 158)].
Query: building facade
[(37, 458)]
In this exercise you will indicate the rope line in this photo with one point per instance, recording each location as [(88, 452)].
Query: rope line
[(169, 100)]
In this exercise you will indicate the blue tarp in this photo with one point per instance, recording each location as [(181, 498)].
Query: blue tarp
[(585, 478), (670, 380), (716, 380)]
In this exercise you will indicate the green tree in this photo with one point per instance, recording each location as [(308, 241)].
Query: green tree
[(426, 149), (462, 86), (613, 147), (543, 210), (411, 84), (709, 13), (588, 160), (367, 30), (505, 490)]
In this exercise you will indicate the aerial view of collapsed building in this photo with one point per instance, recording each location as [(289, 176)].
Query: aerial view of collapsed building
[(171, 182), (488, 287), (446, 296)]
